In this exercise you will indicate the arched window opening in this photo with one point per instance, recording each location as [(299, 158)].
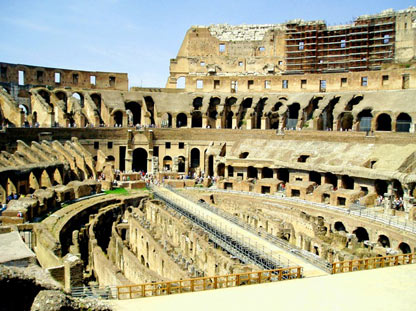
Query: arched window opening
[(181, 120), (167, 163), (139, 160), (211, 165), (181, 164), (62, 96), (384, 241), (361, 234), (292, 116), (346, 120), (310, 109), (45, 95), (79, 98), (397, 189), (403, 123), (195, 157), (118, 118), (166, 120), (197, 119), (326, 118), (405, 248), (246, 104), (212, 111), (355, 101), (383, 122), (266, 172), (259, 113), (365, 117), (197, 103), (339, 226), (135, 113), (230, 171), (150, 105), (283, 174)]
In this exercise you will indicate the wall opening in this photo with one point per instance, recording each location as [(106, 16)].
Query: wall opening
[(383, 122)]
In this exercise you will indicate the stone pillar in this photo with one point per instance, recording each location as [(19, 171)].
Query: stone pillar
[(204, 121), (263, 123), (274, 173), (388, 200), (218, 123), (174, 122), (73, 267), (189, 122), (258, 174), (234, 123), (248, 123), (226, 172)]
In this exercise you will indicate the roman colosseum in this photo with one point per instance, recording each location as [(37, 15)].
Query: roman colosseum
[(281, 152)]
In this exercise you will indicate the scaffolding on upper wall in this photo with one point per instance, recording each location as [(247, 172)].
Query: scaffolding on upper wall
[(364, 45)]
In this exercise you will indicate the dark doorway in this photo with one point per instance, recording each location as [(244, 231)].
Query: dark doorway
[(139, 160)]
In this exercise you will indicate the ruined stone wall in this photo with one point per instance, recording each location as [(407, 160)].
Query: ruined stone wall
[(36, 75)]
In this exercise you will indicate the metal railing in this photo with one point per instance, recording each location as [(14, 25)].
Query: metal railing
[(308, 256), (207, 283), (107, 292), (372, 263), (393, 221), (234, 242)]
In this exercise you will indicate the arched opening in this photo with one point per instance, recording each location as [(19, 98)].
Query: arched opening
[(315, 177), (380, 187), (221, 169), (258, 113), (365, 117), (331, 179), (181, 164), (110, 158), (139, 160), (397, 189), (346, 120), (361, 234), (383, 122), (310, 109), (61, 96), (180, 83), (251, 172), (118, 118), (292, 116), (24, 109), (211, 165), (166, 120), (326, 118), (212, 111), (167, 163), (339, 226), (197, 119), (79, 98), (135, 115), (197, 103), (195, 157), (283, 174), (246, 104), (229, 120), (230, 171), (35, 119), (266, 172), (181, 120), (383, 241), (150, 105), (45, 95), (403, 122), (405, 248), (347, 182)]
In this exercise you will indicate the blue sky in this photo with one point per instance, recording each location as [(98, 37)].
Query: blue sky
[(139, 37)]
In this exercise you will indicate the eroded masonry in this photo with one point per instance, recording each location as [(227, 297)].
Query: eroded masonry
[(303, 132)]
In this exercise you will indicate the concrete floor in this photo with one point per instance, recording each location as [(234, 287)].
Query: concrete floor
[(392, 288)]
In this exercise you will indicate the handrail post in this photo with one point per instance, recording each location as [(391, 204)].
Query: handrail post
[(299, 272)]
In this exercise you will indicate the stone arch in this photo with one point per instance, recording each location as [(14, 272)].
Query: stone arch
[(212, 112), (57, 177), (118, 117), (166, 120), (384, 241), (195, 157), (383, 122), (180, 82), (403, 122), (45, 95), (167, 163), (365, 118), (136, 111), (181, 164), (196, 119), (352, 102), (339, 226), (326, 118), (45, 180), (79, 97), (361, 234), (242, 111), (258, 113), (150, 105), (345, 121), (181, 120), (309, 110), (197, 103), (211, 165), (292, 116), (60, 95), (139, 160), (404, 248)]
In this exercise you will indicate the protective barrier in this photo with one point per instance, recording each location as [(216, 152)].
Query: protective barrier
[(372, 263), (207, 283)]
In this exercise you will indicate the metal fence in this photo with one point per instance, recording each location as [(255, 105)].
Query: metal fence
[(370, 213), (106, 292), (207, 283), (231, 240)]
